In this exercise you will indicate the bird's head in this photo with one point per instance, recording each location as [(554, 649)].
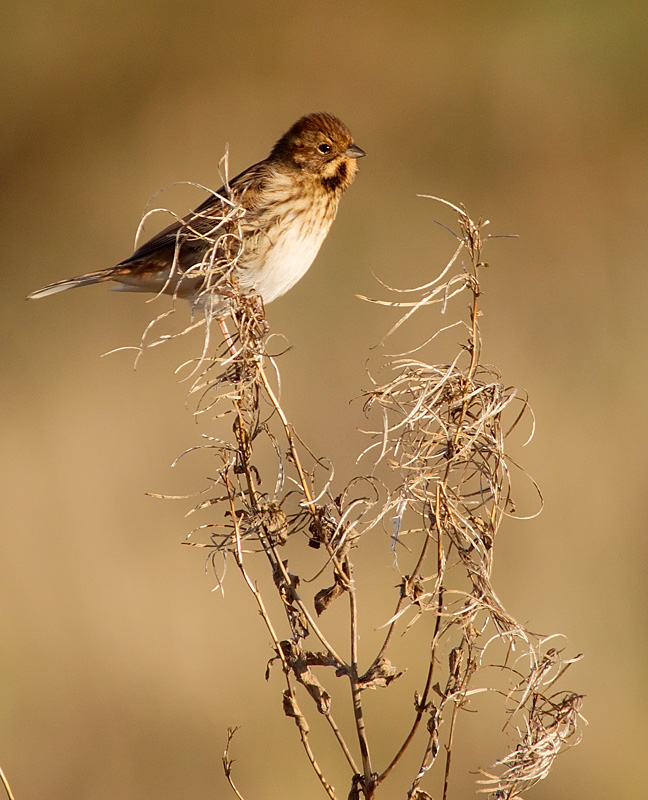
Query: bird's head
[(322, 145)]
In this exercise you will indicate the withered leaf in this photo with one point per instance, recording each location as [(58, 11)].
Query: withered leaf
[(291, 709), (298, 663), (274, 522), (379, 675), (325, 597)]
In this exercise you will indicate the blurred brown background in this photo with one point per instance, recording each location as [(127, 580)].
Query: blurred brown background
[(120, 669)]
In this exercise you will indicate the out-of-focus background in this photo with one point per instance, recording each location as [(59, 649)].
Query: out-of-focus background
[(121, 670)]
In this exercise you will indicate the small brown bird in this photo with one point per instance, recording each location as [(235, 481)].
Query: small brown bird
[(264, 227)]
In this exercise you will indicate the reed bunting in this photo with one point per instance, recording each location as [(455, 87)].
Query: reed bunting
[(261, 231)]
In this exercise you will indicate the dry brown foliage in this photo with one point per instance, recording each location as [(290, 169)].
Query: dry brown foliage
[(439, 482)]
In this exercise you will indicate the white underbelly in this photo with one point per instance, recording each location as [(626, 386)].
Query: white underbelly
[(286, 261)]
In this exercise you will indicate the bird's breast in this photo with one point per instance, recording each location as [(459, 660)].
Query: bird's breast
[(284, 247)]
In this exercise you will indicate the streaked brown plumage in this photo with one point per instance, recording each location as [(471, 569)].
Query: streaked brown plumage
[(266, 226)]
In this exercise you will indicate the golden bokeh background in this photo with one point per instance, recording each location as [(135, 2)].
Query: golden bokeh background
[(121, 670)]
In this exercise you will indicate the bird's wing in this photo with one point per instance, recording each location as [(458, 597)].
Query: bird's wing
[(206, 218)]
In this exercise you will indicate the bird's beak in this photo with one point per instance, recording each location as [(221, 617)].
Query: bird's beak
[(355, 152)]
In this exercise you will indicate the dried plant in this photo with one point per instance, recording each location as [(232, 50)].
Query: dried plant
[(437, 478)]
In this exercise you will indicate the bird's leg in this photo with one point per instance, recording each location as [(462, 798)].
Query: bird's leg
[(227, 336)]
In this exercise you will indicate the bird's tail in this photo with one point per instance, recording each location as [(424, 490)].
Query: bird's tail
[(72, 283)]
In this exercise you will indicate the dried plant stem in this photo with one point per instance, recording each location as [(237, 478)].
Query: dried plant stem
[(294, 455), (238, 556), (5, 784), (369, 778), (421, 705), (439, 436), (343, 745), (278, 564), (342, 569), (227, 763), (291, 443), (405, 594), (289, 696), (271, 552)]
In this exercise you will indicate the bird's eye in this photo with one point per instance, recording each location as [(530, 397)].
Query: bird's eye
[(324, 148)]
